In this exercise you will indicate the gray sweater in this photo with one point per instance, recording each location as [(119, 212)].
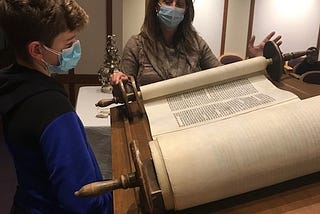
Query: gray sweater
[(149, 65)]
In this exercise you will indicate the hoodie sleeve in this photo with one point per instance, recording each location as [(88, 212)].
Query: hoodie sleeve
[(72, 164)]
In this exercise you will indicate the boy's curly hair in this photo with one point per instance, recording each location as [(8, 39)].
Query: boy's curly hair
[(24, 21)]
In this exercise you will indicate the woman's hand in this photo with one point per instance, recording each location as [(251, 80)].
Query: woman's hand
[(116, 77), (257, 50)]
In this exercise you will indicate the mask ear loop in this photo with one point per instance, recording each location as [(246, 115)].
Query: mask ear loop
[(51, 50), (43, 62)]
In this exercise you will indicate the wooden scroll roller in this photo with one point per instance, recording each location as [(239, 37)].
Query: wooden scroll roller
[(124, 93), (275, 68), (129, 92), (130, 180), (144, 177)]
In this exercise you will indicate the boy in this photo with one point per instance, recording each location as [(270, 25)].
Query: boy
[(44, 134)]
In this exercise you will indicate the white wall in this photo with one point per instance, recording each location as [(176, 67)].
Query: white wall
[(133, 14), (92, 38), (128, 16), (237, 27), (127, 19), (296, 20), (208, 22), (117, 23)]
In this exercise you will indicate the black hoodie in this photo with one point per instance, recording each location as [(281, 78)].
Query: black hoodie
[(48, 144)]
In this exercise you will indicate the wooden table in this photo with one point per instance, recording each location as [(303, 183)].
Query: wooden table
[(300, 195), (98, 130)]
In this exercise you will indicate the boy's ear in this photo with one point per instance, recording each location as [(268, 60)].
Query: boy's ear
[(35, 50)]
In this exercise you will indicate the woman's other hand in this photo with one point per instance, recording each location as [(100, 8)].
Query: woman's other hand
[(257, 50)]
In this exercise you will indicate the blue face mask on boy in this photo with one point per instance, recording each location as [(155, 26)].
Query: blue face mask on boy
[(68, 58), (171, 16)]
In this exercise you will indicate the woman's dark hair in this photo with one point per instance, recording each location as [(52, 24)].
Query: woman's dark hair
[(185, 32)]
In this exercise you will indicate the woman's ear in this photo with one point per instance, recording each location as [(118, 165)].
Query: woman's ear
[(35, 50)]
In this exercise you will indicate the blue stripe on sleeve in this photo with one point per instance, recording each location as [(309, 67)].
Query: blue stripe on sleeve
[(72, 164)]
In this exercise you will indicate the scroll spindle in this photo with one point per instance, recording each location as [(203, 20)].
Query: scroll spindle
[(101, 187)]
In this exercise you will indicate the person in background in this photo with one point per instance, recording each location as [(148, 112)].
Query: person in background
[(168, 45), (308, 63), (44, 134)]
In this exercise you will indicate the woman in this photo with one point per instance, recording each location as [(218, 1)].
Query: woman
[(168, 46)]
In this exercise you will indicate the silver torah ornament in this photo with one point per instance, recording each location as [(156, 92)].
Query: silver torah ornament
[(110, 64)]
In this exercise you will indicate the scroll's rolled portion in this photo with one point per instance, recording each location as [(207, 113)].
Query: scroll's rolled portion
[(194, 80), (244, 153)]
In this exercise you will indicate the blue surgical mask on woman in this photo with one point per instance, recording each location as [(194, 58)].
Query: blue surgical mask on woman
[(68, 58), (171, 16)]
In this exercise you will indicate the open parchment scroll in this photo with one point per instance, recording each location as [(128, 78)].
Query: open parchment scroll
[(234, 133)]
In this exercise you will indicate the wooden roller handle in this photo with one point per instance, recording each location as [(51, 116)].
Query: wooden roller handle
[(105, 102), (101, 187)]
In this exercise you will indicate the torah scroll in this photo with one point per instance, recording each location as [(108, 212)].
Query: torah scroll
[(244, 153), (248, 151), (199, 79)]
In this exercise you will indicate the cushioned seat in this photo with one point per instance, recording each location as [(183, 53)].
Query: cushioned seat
[(229, 58)]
